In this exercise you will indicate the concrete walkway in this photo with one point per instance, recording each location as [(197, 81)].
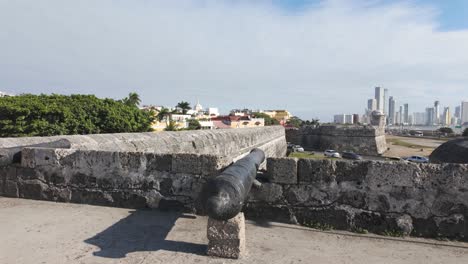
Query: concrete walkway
[(35, 232)]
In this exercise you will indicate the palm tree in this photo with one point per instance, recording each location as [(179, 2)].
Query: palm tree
[(133, 99), (184, 106), (162, 114)]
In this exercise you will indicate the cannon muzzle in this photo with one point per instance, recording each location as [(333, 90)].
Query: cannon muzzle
[(222, 197)]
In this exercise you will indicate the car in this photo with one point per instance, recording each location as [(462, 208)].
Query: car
[(332, 153), (350, 155), (394, 158), (297, 148), (417, 159)]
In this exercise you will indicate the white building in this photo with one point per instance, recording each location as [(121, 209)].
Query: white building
[(371, 105), (464, 112), (379, 96), (385, 102), (339, 119)]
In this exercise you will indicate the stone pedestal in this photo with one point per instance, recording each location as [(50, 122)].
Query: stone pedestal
[(226, 238)]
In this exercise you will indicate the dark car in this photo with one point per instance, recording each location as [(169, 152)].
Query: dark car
[(351, 155)]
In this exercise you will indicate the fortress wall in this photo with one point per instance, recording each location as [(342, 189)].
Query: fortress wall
[(366, 140), (392, 198), (155, 170), (224, 142)]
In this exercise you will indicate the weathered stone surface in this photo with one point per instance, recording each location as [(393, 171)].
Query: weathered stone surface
[(282, 170), (368, 140), (158, 162), (187, 163), (10, 189), (453, 151), (226, 238), (268, 192), (33, 189), (310, 170)]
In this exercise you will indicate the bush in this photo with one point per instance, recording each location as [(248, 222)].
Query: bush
[(48, 115)]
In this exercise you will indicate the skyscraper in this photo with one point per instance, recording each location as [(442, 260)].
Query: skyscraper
[(430, 116), (385, 102), (401, 117), (371, 105), (457, 113), (391, 110), (406, 115), (464, 112), (379, 96), (436, 113), (447, 117)]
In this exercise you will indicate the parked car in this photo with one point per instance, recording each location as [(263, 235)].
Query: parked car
[(394, 158), (332, 153), (417, 159), (350, 155), (297, 148)]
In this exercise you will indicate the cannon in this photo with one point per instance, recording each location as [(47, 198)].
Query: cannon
[(222, 197)]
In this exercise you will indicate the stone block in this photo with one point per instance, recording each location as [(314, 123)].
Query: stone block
[(33, 189), (186, 163), (33, 157), (158, 162), (11, 189), (268, 192), (226, 238), (282, 170), (309, 170), (213, 165)]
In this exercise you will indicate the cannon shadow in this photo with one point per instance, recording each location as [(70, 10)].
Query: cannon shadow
[(142, 230)]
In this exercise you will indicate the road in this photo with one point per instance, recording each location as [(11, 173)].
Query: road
[(34, 232)]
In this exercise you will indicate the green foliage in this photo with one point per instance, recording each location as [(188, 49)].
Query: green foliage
[(193, 124), (294, 121), (465, 132), (172, 126), (446, 130), (48, 115), (268, 120), (133, 99), (184, 106), (318, 225), (163, 114)]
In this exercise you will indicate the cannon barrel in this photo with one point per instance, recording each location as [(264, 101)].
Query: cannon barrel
[(222, 197)]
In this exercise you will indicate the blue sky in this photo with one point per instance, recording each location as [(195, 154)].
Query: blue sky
[(316, 58)]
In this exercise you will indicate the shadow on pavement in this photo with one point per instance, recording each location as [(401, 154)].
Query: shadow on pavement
[(142, 230)]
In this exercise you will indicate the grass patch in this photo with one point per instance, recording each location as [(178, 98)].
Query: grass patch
[(398, 142), (392, 233), (306, 155)]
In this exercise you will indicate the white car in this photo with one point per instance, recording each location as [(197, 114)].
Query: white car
[(297, 148), (332, 153)]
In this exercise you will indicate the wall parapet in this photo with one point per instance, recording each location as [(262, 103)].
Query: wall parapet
[(383, 197)]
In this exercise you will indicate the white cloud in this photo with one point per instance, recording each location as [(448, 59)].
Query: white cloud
[(315, 62)]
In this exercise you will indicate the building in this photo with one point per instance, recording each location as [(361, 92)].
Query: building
[(436, 112), (406, 114), (232, 121), (397, 118), (371, 105), (464, 113), (339, 119), (391, 110), (379, 97), (401, 117), (3, 94), (419, 118), (385, 102), (430, 112), (282, 116), (349, 119), (213, 111), (356, 119), (457, 113), (447, 118)]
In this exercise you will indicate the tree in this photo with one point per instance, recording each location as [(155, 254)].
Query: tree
[(446, 130), (163, 114), (133, 99), (184, 106), (268, 120), (465, 132), (193, 124), (295, 121), (48, 115), (172, 126)]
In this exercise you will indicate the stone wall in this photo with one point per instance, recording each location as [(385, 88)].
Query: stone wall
[(393, 198), (366, 140), (155, 170), (223, 142)]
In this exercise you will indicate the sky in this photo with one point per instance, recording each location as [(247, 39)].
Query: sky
[(314, 58)]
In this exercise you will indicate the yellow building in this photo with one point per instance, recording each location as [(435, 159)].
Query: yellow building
[(280, 115)]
